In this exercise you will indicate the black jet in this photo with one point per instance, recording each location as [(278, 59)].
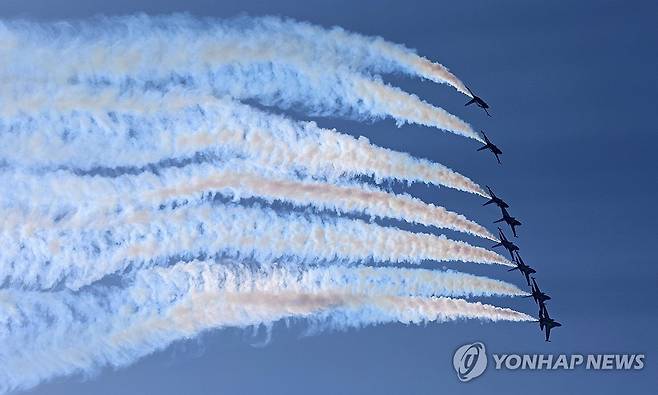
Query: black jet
[(509, 220), (538, 295), (490, 146), (495, 199), (478, 102), (546, 322), (523, 268), (509, 246)]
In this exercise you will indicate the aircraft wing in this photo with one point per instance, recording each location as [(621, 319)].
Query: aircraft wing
[(470, 102), (501, 234)]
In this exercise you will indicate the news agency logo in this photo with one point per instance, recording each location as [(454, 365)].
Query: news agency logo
[(470, 361)]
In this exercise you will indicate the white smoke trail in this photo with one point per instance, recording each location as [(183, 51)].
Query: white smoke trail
[(45, 335), (396, 281), (239, 39), (179, 125), (364, 53), (45, 197), (281, 76), (152, 104), (179, 43), (344, 94), (44, 258), (420, 66), (405, 107)]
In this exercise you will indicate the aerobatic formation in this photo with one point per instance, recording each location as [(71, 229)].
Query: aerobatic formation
[(152, 190)]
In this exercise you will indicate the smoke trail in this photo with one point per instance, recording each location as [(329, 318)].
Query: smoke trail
[(175, 40), (115, 327), (84, 195), (407, 107), (45, 258), (341, 197), (180, 43), (396, 281), (420, 66), (281, 76), (364, 53), (153, 105), (180, 126), (326, 94)]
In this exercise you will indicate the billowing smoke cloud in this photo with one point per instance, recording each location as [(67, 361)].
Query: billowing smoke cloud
[(115, 326), (146, 199)]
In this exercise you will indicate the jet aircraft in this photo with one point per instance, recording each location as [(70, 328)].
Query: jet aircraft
[(490, 146), (525, 269), (496, 200), (477, 101), (509, 246), (537, 294), (546, 322), (509, 220)]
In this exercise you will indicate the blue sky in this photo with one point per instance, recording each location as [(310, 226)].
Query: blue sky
[(572, 87)]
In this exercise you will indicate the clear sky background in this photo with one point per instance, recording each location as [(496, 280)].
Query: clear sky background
[(572, 87)]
